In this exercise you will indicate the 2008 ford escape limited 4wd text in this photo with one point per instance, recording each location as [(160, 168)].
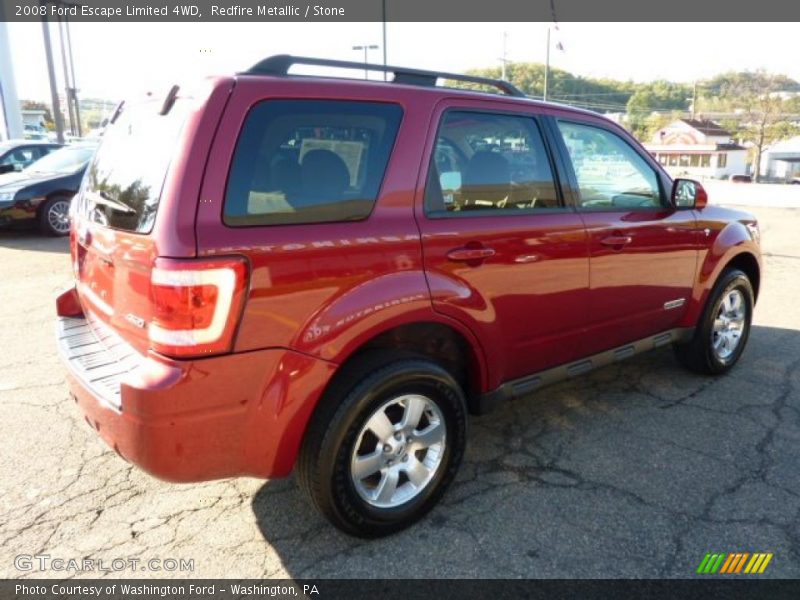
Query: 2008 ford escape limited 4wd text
[(280, 271)]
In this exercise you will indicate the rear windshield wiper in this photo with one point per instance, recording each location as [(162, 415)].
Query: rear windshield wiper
[(100, 199)]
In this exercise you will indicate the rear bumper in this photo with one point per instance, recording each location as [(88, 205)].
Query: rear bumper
[(233, 415)]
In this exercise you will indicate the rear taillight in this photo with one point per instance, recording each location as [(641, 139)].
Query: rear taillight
[(196, 305)]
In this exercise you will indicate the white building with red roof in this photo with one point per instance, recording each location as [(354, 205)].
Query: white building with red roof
[(698, 148)]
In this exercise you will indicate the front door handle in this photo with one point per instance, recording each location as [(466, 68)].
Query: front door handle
[(616, 240), (470, 254)]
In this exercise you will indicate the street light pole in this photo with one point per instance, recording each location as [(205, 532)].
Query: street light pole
[(384, 38), (504, 59), (366, 49)]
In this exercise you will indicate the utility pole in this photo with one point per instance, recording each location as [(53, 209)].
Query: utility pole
[(72, 76), (51, 73), (67, 86), (694, 99), (546, 66)]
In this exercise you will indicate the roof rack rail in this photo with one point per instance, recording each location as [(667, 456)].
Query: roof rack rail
[(281, 63)]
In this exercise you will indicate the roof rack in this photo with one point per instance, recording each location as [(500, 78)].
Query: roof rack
[(281, 63)]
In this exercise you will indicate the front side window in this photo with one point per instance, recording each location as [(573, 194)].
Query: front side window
[(611, 174), (489, 163), (309, 161)]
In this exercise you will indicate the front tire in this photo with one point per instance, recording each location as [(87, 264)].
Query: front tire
[(724, 328), (380, 453), (54, 217)]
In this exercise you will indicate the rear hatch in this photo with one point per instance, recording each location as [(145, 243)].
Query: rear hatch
[(113, 245), (133, 237)]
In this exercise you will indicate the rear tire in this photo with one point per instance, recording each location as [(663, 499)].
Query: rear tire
[(54, 216), (384, 444), (723, 330)]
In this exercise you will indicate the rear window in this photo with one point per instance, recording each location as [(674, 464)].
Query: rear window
[(123, 184), (309, 161)]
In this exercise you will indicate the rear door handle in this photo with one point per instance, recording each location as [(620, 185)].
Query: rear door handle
[(616, 240), (470, 254)]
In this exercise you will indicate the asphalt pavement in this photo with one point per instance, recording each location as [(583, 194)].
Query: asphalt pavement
[(636, 470)]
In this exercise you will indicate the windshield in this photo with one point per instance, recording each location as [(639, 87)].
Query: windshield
[(65, 160)]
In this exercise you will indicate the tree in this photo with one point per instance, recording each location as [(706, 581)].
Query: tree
[(651, 99), (762, 108)]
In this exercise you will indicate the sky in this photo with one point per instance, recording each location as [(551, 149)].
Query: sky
[(118, 60)]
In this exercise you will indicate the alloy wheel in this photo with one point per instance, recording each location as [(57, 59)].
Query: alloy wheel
[(398, 451)]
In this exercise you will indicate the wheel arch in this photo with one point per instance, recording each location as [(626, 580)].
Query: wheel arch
[(748, 263), (43, 200), (433, 337), (735, 248)]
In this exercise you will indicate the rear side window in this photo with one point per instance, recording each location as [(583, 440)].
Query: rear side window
[(309, 161), (122, 188), (489, 163)]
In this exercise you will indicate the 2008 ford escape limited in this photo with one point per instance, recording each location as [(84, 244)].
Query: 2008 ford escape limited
[(282, 271)]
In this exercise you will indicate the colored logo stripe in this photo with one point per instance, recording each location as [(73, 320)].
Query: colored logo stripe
[(711, 563), (758, 563), (734, 562)]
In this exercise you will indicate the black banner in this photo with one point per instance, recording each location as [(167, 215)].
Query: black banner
[(399, 10), (414, 589)]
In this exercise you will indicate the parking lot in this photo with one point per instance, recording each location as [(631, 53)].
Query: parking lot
[(637, 470)]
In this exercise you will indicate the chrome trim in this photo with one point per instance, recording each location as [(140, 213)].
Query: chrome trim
[(98, 357), (677, 303)]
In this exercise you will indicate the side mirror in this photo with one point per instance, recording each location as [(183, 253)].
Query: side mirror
[(687, 193), (6, 168)]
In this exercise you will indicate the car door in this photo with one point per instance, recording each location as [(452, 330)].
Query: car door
[(643, 252), (503, 252)]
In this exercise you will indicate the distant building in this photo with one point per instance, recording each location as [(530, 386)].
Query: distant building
[(698, 148), (781, 161), (33, 119)]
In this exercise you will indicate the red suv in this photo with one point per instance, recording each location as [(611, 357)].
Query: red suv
[(279, 270)]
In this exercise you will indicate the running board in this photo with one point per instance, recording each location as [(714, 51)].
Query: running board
[(530, 383)]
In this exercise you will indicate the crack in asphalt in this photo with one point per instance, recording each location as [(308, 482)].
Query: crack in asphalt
[(634, 470)]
